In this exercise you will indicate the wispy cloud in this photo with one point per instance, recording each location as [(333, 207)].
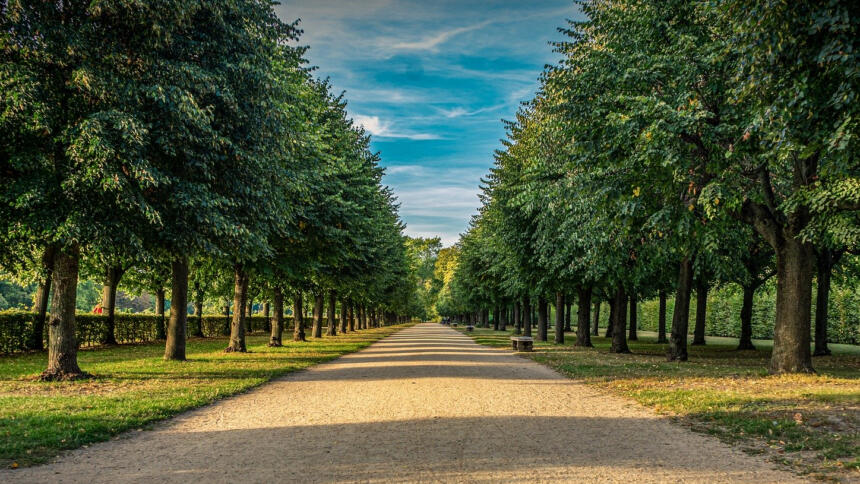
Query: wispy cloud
[(460, 111), (382, 129), (432, 42)]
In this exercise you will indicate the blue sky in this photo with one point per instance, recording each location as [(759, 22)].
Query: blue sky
[(431, 80)]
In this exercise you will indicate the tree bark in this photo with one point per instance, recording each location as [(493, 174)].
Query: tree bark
[(497, 314), (596, 330), (298, 318), (249, 323), (319, 304), (609, 328), (277, 317), (559, 318), (344, 309), (619, 323), (681, 316), (543, 318), (746, 319), (198, 308), (527, 317), (332, 319), (225, 331), (568, 307), (794, 272), (661, 320), (159, 310), (634, 320), (62, 343), (351, 316), (518, 326), (583, 338), (503, 317), (42, 298), (701, 311), (174, 347), (112, 276), (240, 299), (824, 264)]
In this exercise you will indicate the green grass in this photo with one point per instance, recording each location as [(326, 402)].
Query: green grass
[(134, 387), (811, 422)]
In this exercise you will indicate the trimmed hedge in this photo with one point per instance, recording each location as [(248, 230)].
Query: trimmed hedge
[(16, 328)]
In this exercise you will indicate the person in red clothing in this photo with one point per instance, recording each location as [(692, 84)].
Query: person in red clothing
[(98, 309)]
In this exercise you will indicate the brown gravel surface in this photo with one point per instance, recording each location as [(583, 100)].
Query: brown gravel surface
[(426, 404)]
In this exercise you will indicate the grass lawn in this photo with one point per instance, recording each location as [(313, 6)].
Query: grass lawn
[(134, 387), (811, 422)]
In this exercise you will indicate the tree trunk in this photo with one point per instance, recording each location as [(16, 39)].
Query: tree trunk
[(595, 331), (824, 263), (619, 323), (240, 299), (701, 311), (198, 309), (746, 319), (527, 317), (497, 314), (319, 304), (503, 318), (344, 309), (568, 307), (112, 277), (277, 317), (661, 320), (249, 323), (518, 319), (225, 331), (583, 338), (634, 320), (681, 316), (794, 272), (174, 347), (332, 319), (609, 327), (351, 316), (161, 330), (42, 297), (298, 318), (559, 318), (543, 318), (62, 344)]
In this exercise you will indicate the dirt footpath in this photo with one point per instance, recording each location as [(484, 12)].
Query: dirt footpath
[(426, 404)]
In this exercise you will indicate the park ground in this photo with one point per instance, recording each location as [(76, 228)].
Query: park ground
[(810, 423), (426, 404), (134, 387)]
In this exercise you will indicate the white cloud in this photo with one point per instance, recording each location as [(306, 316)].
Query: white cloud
[(382, 129), (461, 111), (430, 43)]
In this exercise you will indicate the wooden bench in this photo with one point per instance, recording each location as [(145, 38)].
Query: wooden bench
[(470, 328), (522, 343)]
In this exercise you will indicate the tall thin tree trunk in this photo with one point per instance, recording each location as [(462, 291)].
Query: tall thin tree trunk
[(198, 309), (619, 336), (791, 339), (174, 347), (634, 320), (161, 330), (527, 313), (249, 323), (351, 316), (596, 330), (319, 304), (559, 318), (497, 314), (746, 319), (62, 344), (332, 319), (344, 320), (609, 326), (298, 318), (681, 316), (112, 277), (277, 317), (568, 307), (503, 319), (518, 318), (701, 311), (824, 264), (543, 318), (661, 319), (583, 338), (225, 331), (240, 299), (42, 298)]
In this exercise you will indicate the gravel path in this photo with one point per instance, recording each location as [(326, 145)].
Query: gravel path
[(426, 404)]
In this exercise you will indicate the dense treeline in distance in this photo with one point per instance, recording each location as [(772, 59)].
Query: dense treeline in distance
[(677, 146), (186, 149)]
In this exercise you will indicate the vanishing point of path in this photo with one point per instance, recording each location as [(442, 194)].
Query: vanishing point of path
[(426, 404)]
